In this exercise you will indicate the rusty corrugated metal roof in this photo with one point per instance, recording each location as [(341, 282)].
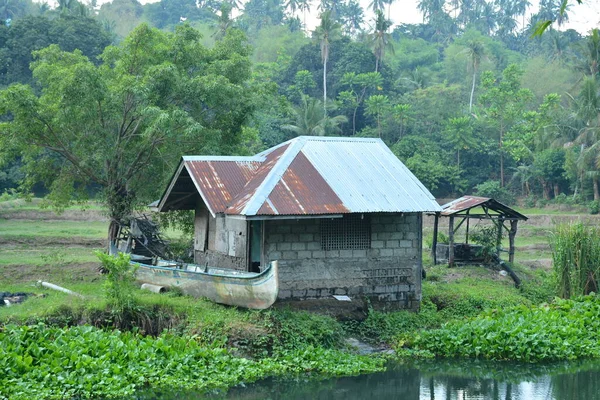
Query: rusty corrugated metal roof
[(466, 203), (302, 190), (309, 176), (246, 194), (219, 181)]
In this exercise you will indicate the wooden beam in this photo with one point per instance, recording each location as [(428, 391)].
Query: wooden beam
[(499, 236), (451, 242), (467, 233), (435, 235), (511, 240)]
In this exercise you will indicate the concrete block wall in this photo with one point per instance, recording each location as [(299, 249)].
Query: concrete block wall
[(389, 272)]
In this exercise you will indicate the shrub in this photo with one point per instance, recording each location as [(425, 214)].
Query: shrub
[(494, 190), (594, 207)]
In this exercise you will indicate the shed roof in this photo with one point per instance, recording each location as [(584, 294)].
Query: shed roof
[(464, 204), (304, 176)]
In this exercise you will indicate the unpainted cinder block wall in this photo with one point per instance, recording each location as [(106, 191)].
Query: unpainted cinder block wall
[(388, 273)]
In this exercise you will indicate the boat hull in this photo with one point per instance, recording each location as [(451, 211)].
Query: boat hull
[(242, 289)]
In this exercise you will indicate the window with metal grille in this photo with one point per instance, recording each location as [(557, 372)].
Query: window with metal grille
[(351, 232)]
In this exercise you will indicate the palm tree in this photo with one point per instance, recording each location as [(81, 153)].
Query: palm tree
[(224, 21), (588, 109), (304, 6), (327, 31), (430, 8), (352, 16), (380, 39), (389, 4), (377, 5), (475, 51), (293, 6), (310, 120), (524, 173)]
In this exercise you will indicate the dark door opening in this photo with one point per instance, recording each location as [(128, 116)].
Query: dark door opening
[(256, 231)]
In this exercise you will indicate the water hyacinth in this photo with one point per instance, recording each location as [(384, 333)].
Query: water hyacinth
[(562, 330), (85, 362)]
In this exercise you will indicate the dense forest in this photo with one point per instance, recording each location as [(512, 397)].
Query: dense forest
[(470, 100)]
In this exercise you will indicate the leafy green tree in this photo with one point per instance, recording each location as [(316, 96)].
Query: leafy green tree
[(126, 15), (376, 106), (548, 168), (122, 125), (503, 104), (32, 33), (262, 13), (358, 86), (327, 32), (459, 133)]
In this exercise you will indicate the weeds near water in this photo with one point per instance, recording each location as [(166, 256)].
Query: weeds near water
[(576, 259)]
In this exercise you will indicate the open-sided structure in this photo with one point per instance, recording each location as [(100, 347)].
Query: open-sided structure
[(467, 208)]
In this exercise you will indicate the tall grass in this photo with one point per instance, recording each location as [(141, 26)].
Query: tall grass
[(576, 258)]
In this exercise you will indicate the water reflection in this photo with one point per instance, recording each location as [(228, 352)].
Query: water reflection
[(431, 380)]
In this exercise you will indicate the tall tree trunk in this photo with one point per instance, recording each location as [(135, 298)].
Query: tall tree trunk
[(596, 191), (120, 206), (501, 156), (376, 64), (472, 90), (325, 87), (546, 189), (556, 190)]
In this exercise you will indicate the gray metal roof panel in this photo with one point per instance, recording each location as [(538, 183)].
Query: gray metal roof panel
[(368, 177)]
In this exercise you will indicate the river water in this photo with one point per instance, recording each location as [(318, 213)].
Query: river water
[(431, 380)]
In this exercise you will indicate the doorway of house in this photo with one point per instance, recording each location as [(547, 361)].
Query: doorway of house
[(256, 232)]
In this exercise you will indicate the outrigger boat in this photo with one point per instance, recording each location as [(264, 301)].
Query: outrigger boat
[(235, 288), (257, 290)]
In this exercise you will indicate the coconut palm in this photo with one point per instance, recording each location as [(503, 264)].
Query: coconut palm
[(352, 16), (327, 32), (475, 51), (311, 120), (430, 8), (377, 5), (304, 6), (292, 6), (380, 40), (524, 173)]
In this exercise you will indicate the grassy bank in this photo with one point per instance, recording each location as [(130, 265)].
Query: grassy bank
[(236, 345)]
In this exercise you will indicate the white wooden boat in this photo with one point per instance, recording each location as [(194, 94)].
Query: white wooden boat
[(225, 286)]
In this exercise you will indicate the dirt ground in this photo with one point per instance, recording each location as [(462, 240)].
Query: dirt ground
[(71, 272)]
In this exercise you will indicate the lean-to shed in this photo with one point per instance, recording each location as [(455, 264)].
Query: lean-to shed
[(342, 215)]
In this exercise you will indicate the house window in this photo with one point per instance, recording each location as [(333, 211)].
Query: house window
[(351, 232)]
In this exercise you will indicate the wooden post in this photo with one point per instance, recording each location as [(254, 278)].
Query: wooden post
[(467, 233), (451, 242), (499, 236), (435, 235), (511, 240)]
